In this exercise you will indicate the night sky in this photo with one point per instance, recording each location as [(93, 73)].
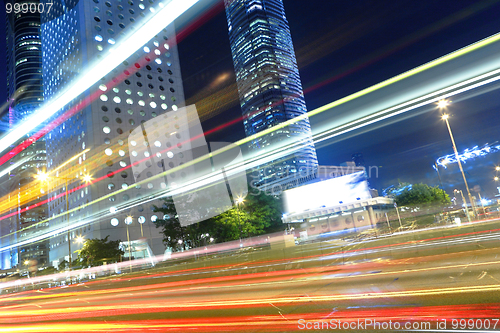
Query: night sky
[(351, 45)]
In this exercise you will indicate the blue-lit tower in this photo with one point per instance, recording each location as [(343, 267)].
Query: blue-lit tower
[(269, 88), (25, 89)]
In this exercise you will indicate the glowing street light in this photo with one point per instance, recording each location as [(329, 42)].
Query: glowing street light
[(442, 104), (80, 239), (495, 178), (497, 168)]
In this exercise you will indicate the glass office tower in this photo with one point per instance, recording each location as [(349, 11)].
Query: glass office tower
[(143, 87), (270, 90)]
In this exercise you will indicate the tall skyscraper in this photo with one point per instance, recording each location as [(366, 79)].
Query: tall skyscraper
[(270, 89), (24, 84), (145, 85)]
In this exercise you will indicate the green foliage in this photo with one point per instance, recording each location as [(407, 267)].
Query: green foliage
[(256, 215), (96, 251), (422, 195)]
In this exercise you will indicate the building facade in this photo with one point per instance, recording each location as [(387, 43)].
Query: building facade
[(95, 138), (269, 88), (25, 91)]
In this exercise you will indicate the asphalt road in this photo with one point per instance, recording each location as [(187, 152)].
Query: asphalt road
[(318, 290)]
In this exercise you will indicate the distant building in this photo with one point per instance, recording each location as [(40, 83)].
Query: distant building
[(25, 91), (76, 37), (270, 90)]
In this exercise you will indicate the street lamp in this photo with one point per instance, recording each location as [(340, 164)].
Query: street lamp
[(128, 221), (464, 202), (442, 104), (44, 177), (239, 201)]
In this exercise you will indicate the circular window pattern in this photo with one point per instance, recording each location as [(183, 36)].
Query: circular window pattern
[(105, 119), (108, 151), (123, 164), (131, 122), (131, 112), (160, 79), (124, 186), (97, 19), (124, 174), (107, 141), (118, 110), (142, 113), (121, 25), (138, 74), (119, 120), (112, 198), (111, 186), (104, 108), (170, 80), (98, 28), (114, 222), (121, 153), (127, 82), (106, 129), (111, 31), (109, 163), (125, 197), (139, 84), (141, 219), (109, 13), (109, 22), (117, 99), (161, 88), (107, 3), (121, 17), (104, 98), (150, 76), (110, 174), (172, 89), (119, 131), (150, 86)]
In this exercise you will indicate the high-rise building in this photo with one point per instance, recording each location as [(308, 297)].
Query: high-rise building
[(96, 135), (25, 89), (270, 90)]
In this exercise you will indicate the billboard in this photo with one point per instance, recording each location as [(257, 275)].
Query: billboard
[(327, 193)]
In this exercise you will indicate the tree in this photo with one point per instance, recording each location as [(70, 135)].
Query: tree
[(96, 251), (419, 195), (256, 215)]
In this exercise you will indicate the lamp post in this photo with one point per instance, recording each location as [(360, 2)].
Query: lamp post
[(465, 203), (442, 104), (239, 201), (87, 179), (128, 221)]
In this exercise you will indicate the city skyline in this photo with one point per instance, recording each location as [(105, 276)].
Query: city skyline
[(438, 28)]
